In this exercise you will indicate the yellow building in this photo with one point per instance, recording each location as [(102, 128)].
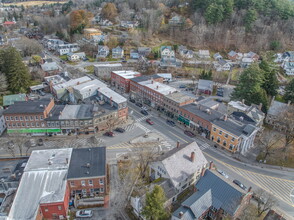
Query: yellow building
[(90, 32)]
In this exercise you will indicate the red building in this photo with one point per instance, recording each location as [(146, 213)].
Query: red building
[(121, 79)]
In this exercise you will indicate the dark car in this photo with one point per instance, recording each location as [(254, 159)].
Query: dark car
[(40, 142), (189, 133), (171, 123), (132, 100), (144, 112), (149, 121), (121, 130), (238, 183), (42, 93), (109, 134), (182, 86), (139, 104)]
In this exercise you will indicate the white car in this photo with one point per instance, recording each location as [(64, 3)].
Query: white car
[(84, 213), (223, 173)]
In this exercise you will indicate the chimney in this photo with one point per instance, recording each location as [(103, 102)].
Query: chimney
[(181, 214), (88, 165), (178, 144), (243, 101), (203, 171), (249, 189), (289, 102), (211, 165), (192, 157), (111, 101), (225, 117), (260, 106)]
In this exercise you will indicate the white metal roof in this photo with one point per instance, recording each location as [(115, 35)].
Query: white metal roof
[(127, 74), (117, 98), (72, 82), (90, 85), (158, 87)]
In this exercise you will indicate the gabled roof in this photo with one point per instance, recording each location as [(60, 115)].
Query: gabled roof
[(49, 66), (232, 53), (185, 167), (204, 84)]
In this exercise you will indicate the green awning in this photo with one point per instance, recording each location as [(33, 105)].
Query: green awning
[(32, 130), (184, 120)]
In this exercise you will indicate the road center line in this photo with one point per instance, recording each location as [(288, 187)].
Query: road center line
[(178, 136)]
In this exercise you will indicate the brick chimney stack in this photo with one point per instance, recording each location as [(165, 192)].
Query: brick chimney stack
[(211, 165), (249, 189), (225, 117), (178, 144), (192, 157), (203, 171)]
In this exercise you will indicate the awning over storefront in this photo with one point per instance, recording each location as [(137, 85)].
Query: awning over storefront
[(32, 130), (184, 120)]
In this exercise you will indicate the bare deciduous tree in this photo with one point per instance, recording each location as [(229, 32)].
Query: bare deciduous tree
[(268, 140), (265, 201)]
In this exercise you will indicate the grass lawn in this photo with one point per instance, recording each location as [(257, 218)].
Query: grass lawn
[(280, 98), (34, 3), (63, 57), (90, 69)]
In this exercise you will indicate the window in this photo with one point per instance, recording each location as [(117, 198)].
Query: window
[(83, 182), (233, 139), (42, 124), (232, 147), (16, 118), (37, 124), (212, 138), (59, 207), (101, 181), (220, 132), (46, 209), (72, 183), (41, 117), (102, 190), (226, 135), (33, 124), (48, 124), (26, 118), (28, 124), (11, 118), (218, 140), (37, 118), (90, 182), (22, 124), (224, 143), (91, 190), (84, 191), (7, 118), (214, 129), (20, 118), (32, 118)]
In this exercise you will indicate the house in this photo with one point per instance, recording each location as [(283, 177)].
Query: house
[(103, 71), (251, 55), (234, 133), (217, 56), (117, 53), (214, 198), (52, 44), (144, 51), (168, 57), (191, 161), (167, 52), (246, 62), (103, 51), (176, 20), (3, 40), (167, 77), (204, 87), (50, 68), (272, 215), (134, 54), (274, 112), (232, 55), (43, 190), (76, 56), (90, 32), (185, 53), (66, 48), (204, 54), (288, 65), (10, 99), (8, 23), (129, 24), (2, 122), (121, 79), (222, 65), (87, 177)]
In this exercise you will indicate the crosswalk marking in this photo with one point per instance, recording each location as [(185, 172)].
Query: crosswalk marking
[(142, 127), (142, 118)]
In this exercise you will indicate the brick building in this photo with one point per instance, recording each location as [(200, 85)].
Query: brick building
[(28, 116), (150, 90), (87, 176), (172, 103), (121, 79)]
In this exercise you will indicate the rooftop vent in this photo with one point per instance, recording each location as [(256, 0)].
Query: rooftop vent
[(88, 164)]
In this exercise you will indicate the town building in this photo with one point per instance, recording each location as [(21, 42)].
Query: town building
[(288, 63), (172, 103), (191, 160), (64, 49), (144, 51), (121, 79), (198, 118), (272, 215), (233, 134), (150, 92), (103, 71), (117, 53), (2, 122), (43, 191), (50, 81), (176, 20), (10, 99), (89, 33), (217, 56), (251, 55), (204, 54), (214, 198), (167, 77), (253, 111), (232, 55), (134, 54), (204, 87), (222, 65), (246, 62), (52, 44), (185, 53), (50, 69), (103, 51), (87, 177), (28, 117), (76, 56)]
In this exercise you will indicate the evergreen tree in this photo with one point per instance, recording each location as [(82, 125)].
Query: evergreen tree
[(249, 87), (289, 92), (228, 7), (16, 72), (154, 208), (250, 17), (271, 83), (214, 13)]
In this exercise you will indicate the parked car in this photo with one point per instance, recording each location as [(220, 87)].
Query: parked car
[(171, 123), (149, 121), (121, 130), (182, 86), (223, 173), (139, 104), (144, 112), (40, 142), (109, 134), (132, 100), (86, 213), (238, 183), (189, 133), (42, 93)]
